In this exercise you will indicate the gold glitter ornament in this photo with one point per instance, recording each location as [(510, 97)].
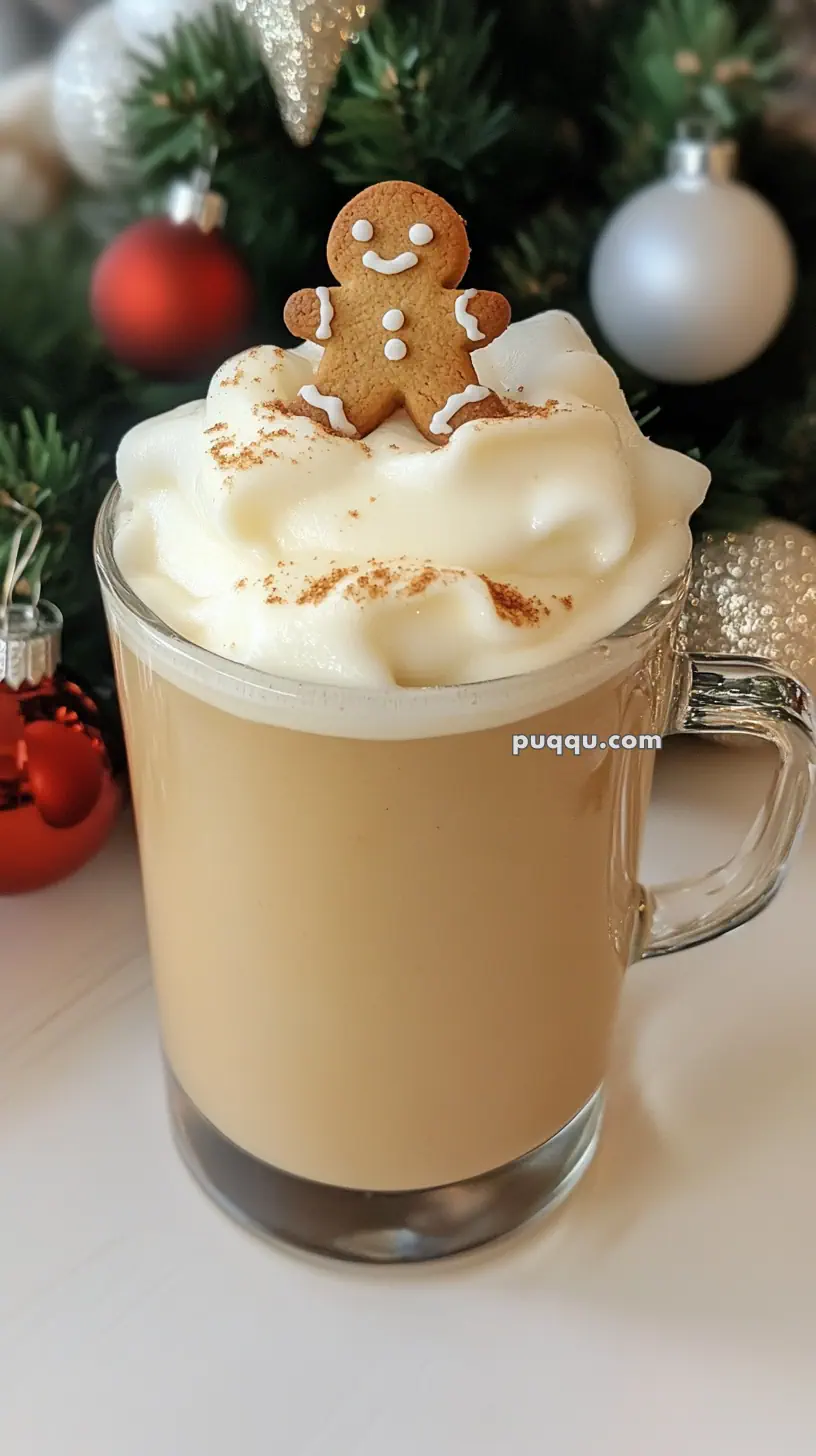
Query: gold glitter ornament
[(754, 594), (303, 43)]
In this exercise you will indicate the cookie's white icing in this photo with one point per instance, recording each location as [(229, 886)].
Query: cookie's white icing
[(420, 233), (472, 395), (389, 265), (468, 322), (395, 349), (323, 330), (362, 231), (393, 320), (333, 406)]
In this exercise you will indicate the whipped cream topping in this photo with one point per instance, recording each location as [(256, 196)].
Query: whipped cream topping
[(277, 543)]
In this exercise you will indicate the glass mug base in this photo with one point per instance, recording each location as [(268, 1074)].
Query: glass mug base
[(382, 1228)]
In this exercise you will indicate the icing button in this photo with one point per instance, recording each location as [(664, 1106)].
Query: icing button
[(393, 320), (395, 349)]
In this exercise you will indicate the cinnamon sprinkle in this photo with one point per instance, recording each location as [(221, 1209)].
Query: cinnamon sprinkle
[(215, 429), (421, 582), (317, 588), (372, 585), (228, 456), (537, 411), (355, 515), (566, 602), (513, 606), (239, 585), (285, 407)]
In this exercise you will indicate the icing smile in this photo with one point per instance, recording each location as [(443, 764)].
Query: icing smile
[(389, 265)]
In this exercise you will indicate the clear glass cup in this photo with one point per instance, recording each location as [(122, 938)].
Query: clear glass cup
[(389, 929)]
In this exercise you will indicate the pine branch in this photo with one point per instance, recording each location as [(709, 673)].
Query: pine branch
[(62, 480), (546, 264), (793, 431), (50, 354), (191, 99), (740, 488), (416, 101), (689, 58)]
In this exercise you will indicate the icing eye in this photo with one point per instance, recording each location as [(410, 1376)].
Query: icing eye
[(362, 231), (420, 234)]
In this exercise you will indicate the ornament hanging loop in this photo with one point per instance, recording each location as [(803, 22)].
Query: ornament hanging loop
[(24, 543), (699, 153)]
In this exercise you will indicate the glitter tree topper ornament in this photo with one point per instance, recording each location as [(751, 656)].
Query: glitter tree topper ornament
[(754, 593), (302, 43)]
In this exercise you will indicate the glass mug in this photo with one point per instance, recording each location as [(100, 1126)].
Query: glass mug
[(389, 940)]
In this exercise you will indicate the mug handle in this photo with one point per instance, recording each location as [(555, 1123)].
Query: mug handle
[(722, 695)]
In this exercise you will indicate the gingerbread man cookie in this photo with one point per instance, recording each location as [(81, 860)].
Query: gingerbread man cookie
[(398, 330)]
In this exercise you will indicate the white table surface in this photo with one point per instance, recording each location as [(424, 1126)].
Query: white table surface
[(669, 1309)]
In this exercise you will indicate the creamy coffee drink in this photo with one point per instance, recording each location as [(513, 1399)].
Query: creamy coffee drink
[(388, 964), (387, 950)]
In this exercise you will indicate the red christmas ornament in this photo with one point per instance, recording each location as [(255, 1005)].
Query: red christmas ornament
[(58, 795), (170, 295)]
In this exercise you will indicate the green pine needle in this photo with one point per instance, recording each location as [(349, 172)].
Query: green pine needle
[(416, 100), (740, 484), (688, 59), (62, 480), (546, 263), (191, 98)]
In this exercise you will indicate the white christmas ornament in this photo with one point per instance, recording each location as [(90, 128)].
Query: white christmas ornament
[(33, 171), (693, 277), (93, 72), (144, 20)]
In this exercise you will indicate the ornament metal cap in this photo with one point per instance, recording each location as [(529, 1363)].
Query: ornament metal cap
[(30, 632), (30, 644), (191, 199), (700, 154)]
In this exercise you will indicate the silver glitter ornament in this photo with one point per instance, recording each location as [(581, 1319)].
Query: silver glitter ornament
[(303, 43), (754, 593), (93, 72), (694, 275)]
